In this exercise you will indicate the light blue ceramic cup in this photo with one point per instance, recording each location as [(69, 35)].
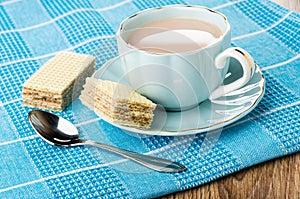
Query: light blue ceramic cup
[(180, 81)]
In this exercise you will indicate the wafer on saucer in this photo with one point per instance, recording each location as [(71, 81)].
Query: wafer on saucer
[(117, 103), (58, 81)]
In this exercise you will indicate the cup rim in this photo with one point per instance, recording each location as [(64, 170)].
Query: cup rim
[(227, 30)]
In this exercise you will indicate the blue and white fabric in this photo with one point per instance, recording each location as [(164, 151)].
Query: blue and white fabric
[(31, 32)]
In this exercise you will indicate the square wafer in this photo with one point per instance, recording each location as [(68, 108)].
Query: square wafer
[(59, 80)]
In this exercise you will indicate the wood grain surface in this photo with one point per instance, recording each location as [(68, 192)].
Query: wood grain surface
[(279, 178), (275, 179), (290, 4)]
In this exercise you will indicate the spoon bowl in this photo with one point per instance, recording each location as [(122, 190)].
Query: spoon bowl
[(53, 129), (60, 132)]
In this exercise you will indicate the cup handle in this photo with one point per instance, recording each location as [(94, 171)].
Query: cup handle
[(247, 64)]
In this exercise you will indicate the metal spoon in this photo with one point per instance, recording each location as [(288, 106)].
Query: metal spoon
[(59, 131)]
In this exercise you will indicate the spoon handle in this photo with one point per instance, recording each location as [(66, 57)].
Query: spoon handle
[(158, 164)]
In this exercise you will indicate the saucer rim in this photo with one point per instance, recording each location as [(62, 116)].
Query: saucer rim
[(194, 131)]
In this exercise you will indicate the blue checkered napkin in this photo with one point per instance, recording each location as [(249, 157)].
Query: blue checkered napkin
[(31, 32)]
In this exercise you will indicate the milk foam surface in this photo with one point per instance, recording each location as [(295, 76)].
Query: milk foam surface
[(174, 35)]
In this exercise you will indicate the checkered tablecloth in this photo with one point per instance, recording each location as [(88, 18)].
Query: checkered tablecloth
[(31, 32)]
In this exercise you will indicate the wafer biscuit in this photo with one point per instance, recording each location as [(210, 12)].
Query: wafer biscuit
[(117, 103), (58, 81)]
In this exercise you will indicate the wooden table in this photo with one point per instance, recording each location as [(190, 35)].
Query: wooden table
[(270, 180), (278, 178)]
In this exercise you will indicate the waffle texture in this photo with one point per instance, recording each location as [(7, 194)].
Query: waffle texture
[(59, 80), (117, 103)]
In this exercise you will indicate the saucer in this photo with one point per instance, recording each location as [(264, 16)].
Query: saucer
[(208, 115)]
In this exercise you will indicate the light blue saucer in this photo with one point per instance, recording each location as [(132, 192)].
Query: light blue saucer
[(207, 116)]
